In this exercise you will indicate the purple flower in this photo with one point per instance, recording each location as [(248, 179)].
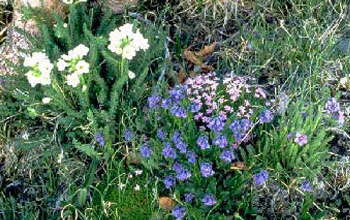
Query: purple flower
[(306, 186), (207, 169), (177, 93), (128, 134), (169, 181), (189, 197), (246, 125), (145, 151), (261, 178), (166, 103), (99, 138), (191, 156), (161, 134), (177, 167), (195, 107), (235, 126), (154, 101), (220, 141), (179, 212), (290, 135), (176, 136), (168, 151), (217, 124), (227, 156), (332, 106), (239, 128), (300, 139), (179, 111), (181, 146), (203, 142), (266, 116), (184, 174), (208, 200)]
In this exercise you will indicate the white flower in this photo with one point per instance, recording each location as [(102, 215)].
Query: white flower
[(60, 157), (138, 172), (46, 100), (35, 78), (137, 187), (131, 74), (129, 52), (25, 136), (81, 50), (121, 186), (68, 2), (65, 25), (126, 28), (29, 62), (62, 65), (73, 80), (45, 66), (84, 88), (82, 67), (115, 48), (131, 176), (344, 82)]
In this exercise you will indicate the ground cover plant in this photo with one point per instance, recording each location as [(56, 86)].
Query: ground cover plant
[(179, 110)]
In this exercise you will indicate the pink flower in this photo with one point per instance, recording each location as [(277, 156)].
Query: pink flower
[(300, 139)]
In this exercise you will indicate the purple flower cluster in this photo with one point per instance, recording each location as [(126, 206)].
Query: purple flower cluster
[(145, 151), (240, 128), (227, 155), (261, 177), (161, 134), (191, 157), (179, 111), (189, 197), (99, 139), (217, 124), (306, 186), (203, 142), (128, 134), (208, 200), (332, 107), (168, 151), (179, 212), (207, 169), (169, 182), (266, 116), (220, 141), (181, 173), (154, 101)]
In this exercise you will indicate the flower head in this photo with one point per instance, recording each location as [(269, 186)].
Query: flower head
[(168, 151), (203, 142), (145, 151), (191, 157), (99, 138), (179, 212), (184, 174), (220, 141), (161, 134), (181, 146), (208, 200), (261, 177), (227, 156), (217, 124), (189, 197), (266, 116), (207, 169), (300, 139), (179, 111), (128, 134), (153, 101), (306, 186), (169, 182)]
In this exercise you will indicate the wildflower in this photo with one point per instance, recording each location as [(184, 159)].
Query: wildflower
[(266, 116), (217, 124), (181, 146), (131, 74), (168, 151), (177, 167), (195, 107), (153, 101), (203, 142), (261, 177), (306, 186), (176, 137), (189, 197), (121, 186), (169, 182), (260, 93), (46, 100), (137, 187), (220, 141), (161, 134), (207, 169), (332, 106), (179, 111), (246, 124), (184, 174), (61, 65), (99, 138), (128, 134), (290, 135), (82, 67), (60, 157), (208, 200), (73, 80), (145, 151), (138, 172), (40, 69), (177, 93), (166, 103), (179, 212), (227, 156), (191, 157), (300, 139)]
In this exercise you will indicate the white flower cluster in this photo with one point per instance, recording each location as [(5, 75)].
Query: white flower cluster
[(40, 69), (74, 63), (125, 42), (69, 2)]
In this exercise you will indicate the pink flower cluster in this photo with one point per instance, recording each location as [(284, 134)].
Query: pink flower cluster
[(217, 99)]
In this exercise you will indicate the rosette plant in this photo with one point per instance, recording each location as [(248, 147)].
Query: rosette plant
[(195, 133)]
